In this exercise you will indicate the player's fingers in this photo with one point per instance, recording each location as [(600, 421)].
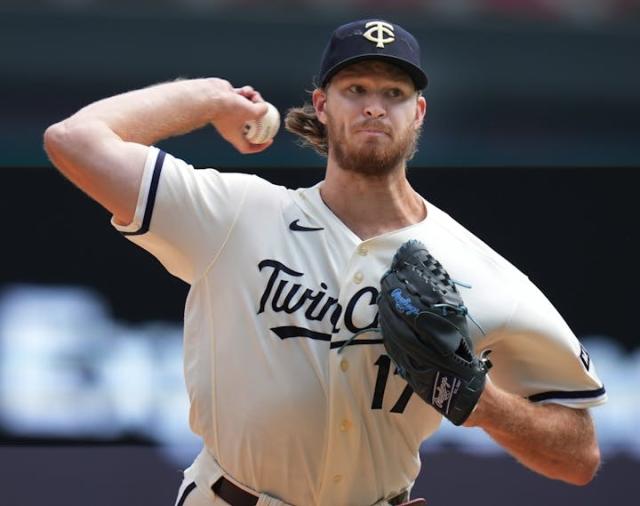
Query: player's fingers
[(246, 148), (258, 109), (254, 96), (243, 90), (257, 148), (250, 93), (257, 97), (247, 108)]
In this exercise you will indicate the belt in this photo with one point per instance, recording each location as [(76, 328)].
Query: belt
[(230, 493)]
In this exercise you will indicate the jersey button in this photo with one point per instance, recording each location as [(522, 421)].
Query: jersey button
[(357, 278), (363, 250), (344, 365), (337, 478), (345, 425)]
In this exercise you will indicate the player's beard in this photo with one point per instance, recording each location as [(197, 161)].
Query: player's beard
[(371, 158)]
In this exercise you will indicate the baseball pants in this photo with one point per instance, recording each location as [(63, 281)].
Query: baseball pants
[(199, 479)]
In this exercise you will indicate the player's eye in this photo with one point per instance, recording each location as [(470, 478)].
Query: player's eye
[(356, 89), (395, 93)]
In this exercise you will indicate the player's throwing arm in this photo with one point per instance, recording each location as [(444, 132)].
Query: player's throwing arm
[(103, 147)]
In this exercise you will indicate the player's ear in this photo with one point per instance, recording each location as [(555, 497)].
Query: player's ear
[(319, 99), (421, 111)]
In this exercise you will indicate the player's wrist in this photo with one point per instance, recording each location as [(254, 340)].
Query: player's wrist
[(478, 413), (220, 98), (490, 407)]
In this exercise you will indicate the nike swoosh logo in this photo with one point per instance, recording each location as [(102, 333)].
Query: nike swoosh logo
[(296, 227)]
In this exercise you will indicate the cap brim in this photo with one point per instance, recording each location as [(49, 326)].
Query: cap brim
[(418, 77)]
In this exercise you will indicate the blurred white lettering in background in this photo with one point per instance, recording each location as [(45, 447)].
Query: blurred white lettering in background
[(69, 370)]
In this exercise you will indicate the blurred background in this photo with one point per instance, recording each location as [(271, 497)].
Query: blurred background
[(532, 141)]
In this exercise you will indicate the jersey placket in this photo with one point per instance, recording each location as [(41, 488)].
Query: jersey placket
[(344, 431)]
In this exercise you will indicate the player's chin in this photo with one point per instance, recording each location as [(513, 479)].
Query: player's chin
[(372, 145)]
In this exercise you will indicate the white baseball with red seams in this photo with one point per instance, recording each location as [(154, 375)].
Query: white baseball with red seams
[(265, 128)]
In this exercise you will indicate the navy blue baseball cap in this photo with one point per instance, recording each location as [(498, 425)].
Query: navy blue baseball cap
[(372, 39)]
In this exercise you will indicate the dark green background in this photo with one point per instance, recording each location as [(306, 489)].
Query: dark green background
[(503, 91)]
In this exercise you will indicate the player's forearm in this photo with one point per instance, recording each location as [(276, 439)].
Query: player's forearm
[(148, 115), (552, 440)]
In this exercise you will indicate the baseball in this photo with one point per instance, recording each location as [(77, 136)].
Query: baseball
[(261, 130)]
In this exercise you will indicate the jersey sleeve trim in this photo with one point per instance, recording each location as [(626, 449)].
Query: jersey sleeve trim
[(596, 396), (151, 198)]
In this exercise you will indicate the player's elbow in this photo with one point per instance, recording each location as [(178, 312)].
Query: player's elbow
[(593, 465), (54, 139), (71, 144), (59, 141), (586, 468)]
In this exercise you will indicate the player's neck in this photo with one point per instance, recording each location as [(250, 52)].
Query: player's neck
[(371, 206)]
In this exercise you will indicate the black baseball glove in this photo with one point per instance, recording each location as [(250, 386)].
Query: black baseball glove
[(424, 328)]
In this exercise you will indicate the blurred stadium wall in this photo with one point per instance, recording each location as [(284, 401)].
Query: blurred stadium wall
[(513, 83)]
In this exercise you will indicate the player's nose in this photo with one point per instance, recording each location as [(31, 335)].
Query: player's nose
[(374, 109)]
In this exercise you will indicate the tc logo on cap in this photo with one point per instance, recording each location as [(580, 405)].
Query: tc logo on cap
[(379, 32)]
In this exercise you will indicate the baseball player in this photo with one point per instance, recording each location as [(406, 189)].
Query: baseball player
[(291, 388)]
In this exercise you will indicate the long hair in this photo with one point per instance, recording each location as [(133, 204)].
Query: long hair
[(303, 122)]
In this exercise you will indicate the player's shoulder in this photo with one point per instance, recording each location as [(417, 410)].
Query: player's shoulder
[(262, 195), (262, 192), (459, 234), (258, 189), (207, 175)]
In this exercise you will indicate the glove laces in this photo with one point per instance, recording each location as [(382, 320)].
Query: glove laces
[(353, 337), (462, 310)]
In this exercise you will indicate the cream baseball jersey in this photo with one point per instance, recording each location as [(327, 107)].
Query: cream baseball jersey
[(283, 397)]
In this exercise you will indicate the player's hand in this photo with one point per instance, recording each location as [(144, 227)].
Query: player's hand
[(233, 108)]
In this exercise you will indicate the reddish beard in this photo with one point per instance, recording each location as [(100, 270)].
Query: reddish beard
[(373, 157)]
